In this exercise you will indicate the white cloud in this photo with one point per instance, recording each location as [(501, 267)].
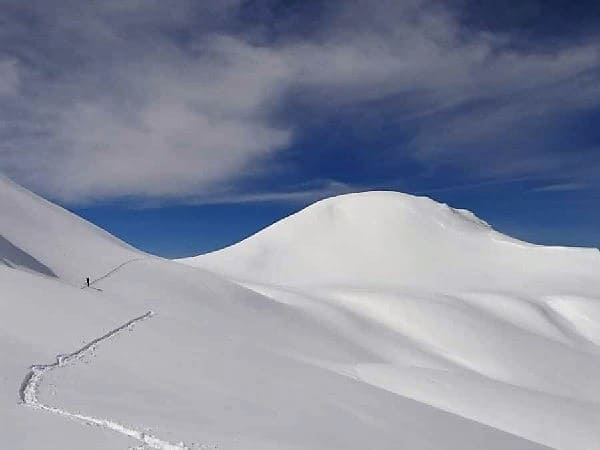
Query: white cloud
[(304, 193), (172, 151), (9, 77), (199, 122), (562, 187), (151, 99)]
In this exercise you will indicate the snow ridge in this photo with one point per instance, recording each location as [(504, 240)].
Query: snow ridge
[(30, 388)]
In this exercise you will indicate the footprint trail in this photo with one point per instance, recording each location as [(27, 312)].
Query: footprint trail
[(30, 389)]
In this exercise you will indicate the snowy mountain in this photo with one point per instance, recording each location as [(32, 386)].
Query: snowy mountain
[(455, 314), (397, 240), (343, 334), (42, 237)]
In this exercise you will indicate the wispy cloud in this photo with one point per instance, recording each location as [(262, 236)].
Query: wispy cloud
[(186, 100), (9, 78), (301, 194), (562, 187)]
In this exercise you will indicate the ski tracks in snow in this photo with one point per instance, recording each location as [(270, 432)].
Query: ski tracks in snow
[(112, 271), (30, 389)]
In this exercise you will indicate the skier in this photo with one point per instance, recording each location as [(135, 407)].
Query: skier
[(87, 280)]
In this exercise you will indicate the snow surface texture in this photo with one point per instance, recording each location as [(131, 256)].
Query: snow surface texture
[(31, 384), (455, 314), (328, 354), (388, 239), (47, 239)]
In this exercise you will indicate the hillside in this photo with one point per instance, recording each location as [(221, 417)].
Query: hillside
[(457, 315), (158, 355), (45, 238), (394, 240)]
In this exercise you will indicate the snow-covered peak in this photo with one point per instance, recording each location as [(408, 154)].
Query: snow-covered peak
[(389, 239), (40, 236)]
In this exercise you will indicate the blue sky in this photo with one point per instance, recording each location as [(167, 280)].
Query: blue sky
[(185, 126)]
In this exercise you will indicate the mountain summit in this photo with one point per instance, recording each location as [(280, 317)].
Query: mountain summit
[(392, 239)]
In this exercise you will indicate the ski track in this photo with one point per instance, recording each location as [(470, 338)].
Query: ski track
[(112, 271), (30, 388)]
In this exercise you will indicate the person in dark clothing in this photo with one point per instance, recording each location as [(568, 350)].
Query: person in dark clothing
[(87, 280)]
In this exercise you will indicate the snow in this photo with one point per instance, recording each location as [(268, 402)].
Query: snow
[(462, 317), (373, 321), (395, 240), (31, 385), (60, 243)]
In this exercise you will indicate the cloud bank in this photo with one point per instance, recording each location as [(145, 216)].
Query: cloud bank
[(180, 99)]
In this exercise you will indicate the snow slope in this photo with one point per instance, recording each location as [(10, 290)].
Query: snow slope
[(317, 366), (392, 239), (204, 370), (40, 236), (461, 317)]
